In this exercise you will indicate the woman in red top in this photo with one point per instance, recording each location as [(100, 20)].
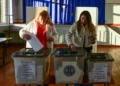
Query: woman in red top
[(43, 28)]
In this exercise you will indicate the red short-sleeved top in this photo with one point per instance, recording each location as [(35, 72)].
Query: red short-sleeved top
[(41, 35)]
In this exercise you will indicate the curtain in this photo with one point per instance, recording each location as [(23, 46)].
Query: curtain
[(64, 11)]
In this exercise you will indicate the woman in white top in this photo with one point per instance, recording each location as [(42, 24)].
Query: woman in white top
[(43, 28), (82, 34)]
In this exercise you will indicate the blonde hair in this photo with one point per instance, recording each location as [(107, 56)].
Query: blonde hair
[(44, 14)]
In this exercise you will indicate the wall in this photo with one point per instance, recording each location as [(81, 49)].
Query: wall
[(17, 11), (93, 11), (105, 35), (3, 10), (112, 11), (112, 1), (31, 12)]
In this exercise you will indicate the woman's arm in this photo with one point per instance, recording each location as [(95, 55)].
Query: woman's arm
[(69, 34), (54, 34), (93, 38), (24, 32)]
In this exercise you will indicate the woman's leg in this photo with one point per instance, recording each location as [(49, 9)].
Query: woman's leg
[(89, 51)]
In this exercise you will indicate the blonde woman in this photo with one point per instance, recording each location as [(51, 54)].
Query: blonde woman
[(43, 28)]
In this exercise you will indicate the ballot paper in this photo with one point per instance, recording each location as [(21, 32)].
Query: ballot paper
[(35, 43)]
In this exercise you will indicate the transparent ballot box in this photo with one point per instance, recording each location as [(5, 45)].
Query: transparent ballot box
[(69, 65), (100, 67), (30, 66)]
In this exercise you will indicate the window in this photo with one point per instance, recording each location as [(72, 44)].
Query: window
[(5, 11), (56, 8), (0, 10)]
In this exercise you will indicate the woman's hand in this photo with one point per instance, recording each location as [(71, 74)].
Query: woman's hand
[(91, 39), (27, 36), (50, 39), (73, 47)]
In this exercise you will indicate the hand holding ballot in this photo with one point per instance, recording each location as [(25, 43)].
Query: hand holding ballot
[(27, 36)]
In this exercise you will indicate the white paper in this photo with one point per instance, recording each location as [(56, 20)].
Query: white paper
[(100, 72), (27, 70), (35, 43)]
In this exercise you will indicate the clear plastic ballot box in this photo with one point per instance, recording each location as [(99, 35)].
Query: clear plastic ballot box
[(69, 65), (30, 66), (100, 67)]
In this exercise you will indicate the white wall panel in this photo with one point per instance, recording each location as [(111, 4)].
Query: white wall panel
[(93, 11), (32, 11), (112, 1)]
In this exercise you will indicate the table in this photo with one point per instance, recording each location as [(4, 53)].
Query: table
[(51, 80), (4, 49), (85, 81)]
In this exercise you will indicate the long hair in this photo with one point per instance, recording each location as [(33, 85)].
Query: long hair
[(44, 14), (89, 23)]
